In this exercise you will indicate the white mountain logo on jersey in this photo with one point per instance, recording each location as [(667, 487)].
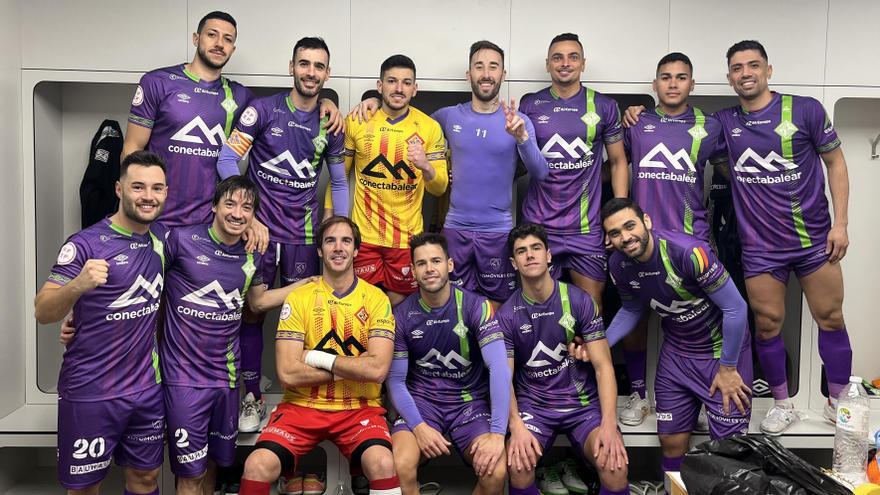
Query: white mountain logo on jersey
[(134, 294), (231, 300), (214, 135), (677, 307), (575, 149), (680, 160), (303, 169), (556, 354), (448, 360), (771, 163)]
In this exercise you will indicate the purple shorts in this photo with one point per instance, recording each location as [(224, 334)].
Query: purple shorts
[(779, 265), (202, 423), (130, 429), (482, 263), (461, 422), (545, 424), (575, 252), (297, 261), (682, 385)]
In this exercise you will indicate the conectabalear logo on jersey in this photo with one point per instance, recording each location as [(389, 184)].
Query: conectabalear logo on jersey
[(567, 155), (397, 171), (661, 158), (285, 167), (752, 168), (212, 296), (141, 291), (452, 360), (197, 132)]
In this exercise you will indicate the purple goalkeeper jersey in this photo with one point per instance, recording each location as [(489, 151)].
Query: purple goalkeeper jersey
[(778, 180), (114, 352), (206, 285), (443, 347), (285, 163), (668, 154), (537, 335), (484, 160), (572, 134), (190, 120), (676, 283)]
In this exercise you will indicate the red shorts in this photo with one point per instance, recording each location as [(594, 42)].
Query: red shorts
[(300, 429), (390, 267)]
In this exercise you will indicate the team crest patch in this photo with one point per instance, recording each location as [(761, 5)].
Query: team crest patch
[(362, 315), (319, 142), (567, 322), (405, 271), (285, 311), (786, 129), (67, 253), (460, 329), (365, 422), (591, 118), (495, 263), (249, 116), (698, 132), (300, 267), (138, 97), (415, 138)]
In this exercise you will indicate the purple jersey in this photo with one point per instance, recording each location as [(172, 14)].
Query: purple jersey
[(190, 120), (442, 346), (207, 282), (114, 352), (285, 162), (676, 283), (778, 178), (668, 155), (537, 336), (484, 159), (572, 134)]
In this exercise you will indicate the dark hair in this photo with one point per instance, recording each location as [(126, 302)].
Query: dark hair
[(396, 61), (675, 57), (566, 37), (524, 230), (614, 205), (420, 240), (223, 16), (310, 43), (336, 219), (485, 45), (228, 186), (143, 158), (746, 45)]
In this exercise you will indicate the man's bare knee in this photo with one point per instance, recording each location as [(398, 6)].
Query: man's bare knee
[(262, 465), (377, 463)]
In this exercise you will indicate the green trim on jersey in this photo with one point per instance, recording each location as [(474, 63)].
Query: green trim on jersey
[(717, 340), (673, 279), (289, 104), (230, 366), (591, 119), (566, 321), (424, 305), (698, 133), (229, 105), (190, 75), (249, 269), (461, 330), (213, 235), (308, 227), (155, 359), (121, 230), (159, 248), (786, 130)]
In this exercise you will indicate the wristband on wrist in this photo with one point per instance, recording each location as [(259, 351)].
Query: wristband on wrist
[(320, 359)]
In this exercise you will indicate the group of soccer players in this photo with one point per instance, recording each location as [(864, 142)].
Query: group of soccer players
[(481, 346)]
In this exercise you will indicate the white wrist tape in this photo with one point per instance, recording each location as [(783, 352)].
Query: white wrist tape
[(320, 359)]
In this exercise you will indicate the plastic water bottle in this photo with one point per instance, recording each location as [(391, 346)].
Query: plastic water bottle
[(851, 433)]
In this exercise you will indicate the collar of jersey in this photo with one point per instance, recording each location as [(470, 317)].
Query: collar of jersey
[(557, 97), (532, 302), (119, 229), (196, 79), (220, 243), (773, 101), (396, 121), (344, 294), (676, 116), (429, 309)]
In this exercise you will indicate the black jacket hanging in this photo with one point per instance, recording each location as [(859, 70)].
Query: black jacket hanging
[(97, 191)]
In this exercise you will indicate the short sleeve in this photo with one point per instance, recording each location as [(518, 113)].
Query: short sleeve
[(709, 273), (351, 131), (821, 131), (171, 245), (480, 316), (589, 322), (71, 258), (615, 272), (146, 101), (612, 131), (500, 325), (381, 318), (290, 323), (435, 148)]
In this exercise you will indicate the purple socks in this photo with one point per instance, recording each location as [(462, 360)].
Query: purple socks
[(529, 490), (251, 356), (671, 464), (836, 354), (154, 492), (771, 355), (636, 362)]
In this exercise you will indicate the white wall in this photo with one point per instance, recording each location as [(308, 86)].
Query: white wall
[(12, 299), (821, 48)]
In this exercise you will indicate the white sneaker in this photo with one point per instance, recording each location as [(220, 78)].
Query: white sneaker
[(549, 482), (253, 412), (702, 425), (830, 412), (778, 420), (635, 410), (568, 471)]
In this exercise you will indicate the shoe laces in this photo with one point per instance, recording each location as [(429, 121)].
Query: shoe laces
[(777, 413), (631, 401), (552, 475), (250, 407)]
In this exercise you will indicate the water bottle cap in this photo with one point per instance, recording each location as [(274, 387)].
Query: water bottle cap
[(855, 379)]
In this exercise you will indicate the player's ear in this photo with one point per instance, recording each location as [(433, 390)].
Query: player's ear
[(118, 189), (196, 40), (769, 71), (513, 263), (647, 221), (450, 265), (654, 85), (415, 89)]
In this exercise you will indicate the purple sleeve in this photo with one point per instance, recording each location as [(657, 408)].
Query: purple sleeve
[(147, 98), (822, 132), (440, 117), (589, 321), (624, 321), (734, 323), (613, 131), (339, 188), (71, 258), (530, 154), (400, 396), (495, 357), (227, 163), (627, 142)]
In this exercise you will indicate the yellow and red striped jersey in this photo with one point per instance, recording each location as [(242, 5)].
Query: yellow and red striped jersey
[(388, 188), (338, 324)]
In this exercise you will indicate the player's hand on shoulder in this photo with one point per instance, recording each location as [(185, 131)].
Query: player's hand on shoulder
[(364, 110), (431, 442), (577, 349), (93, 273), (335, 121), (631, 115), (256, 237), (68, 331)]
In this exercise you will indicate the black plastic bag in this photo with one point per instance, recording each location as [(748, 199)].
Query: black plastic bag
[(752, 465)]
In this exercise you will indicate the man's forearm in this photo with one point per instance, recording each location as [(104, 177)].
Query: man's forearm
[(299, 374), (51, 305), (607, 385), (364, 368), (838, 182)]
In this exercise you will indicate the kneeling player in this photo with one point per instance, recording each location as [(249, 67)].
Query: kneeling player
[(440, 332), (554, 392), (333, 350), (705, 349)]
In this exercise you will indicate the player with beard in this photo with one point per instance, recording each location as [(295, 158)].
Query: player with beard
[(109, 393), (288, 144), (397, 154), (333, 349), (486, 138), (438, 381)]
